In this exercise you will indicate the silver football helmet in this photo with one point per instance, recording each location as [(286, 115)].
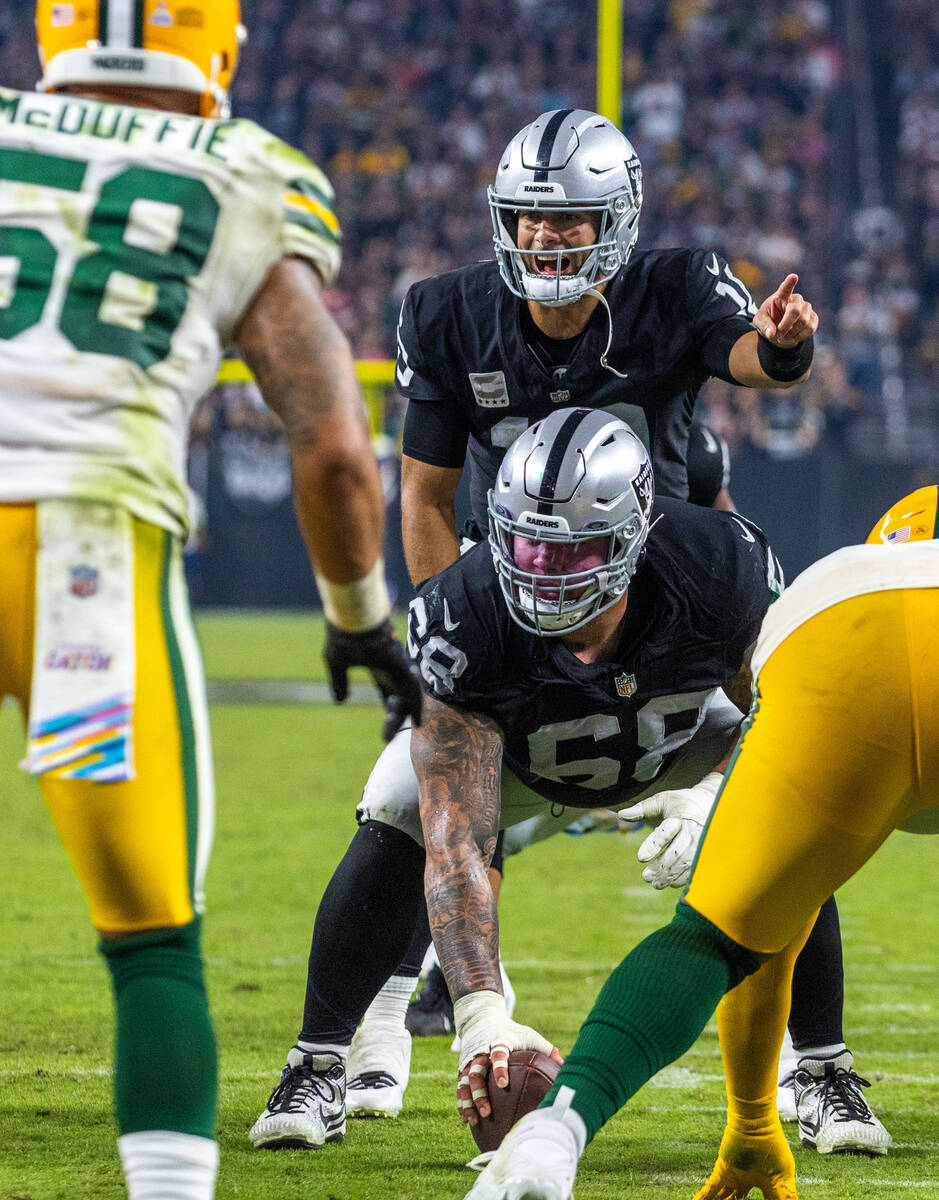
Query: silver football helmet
[(575, 160), (577, 475)]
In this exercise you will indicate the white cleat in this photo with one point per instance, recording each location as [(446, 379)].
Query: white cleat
[(834, 1117), (377, 1070), (536, 1161), (306, 1109)]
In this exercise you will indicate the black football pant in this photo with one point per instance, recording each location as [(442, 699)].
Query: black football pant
[(372, 922)]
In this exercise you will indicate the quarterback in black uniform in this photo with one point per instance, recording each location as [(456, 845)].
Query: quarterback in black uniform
[(570, 314), (541, 687)]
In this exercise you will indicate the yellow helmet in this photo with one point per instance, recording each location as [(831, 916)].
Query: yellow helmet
[(187, 44), (912, 519)]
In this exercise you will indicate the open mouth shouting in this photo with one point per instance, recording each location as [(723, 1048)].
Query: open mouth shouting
[(553, 264)]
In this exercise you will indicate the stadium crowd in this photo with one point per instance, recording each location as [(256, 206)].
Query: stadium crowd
[(740, 112), (914, 52)]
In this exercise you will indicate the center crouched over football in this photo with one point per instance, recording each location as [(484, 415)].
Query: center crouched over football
[(531, 1074)]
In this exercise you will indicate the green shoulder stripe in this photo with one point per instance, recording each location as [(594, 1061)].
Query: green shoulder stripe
[(313, 223), (306, 188)]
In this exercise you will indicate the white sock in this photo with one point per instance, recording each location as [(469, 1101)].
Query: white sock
[(391, 1004), (831, 1051), (162, 1165), (430, 960), (321, 1048), (788, 1059)]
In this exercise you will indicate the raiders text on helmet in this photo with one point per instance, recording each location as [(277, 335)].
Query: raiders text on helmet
[(578, 475), (578, 161), (191, 45)]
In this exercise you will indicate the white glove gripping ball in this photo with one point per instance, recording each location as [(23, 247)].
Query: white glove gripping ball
[(671, 847), (485, 1028)]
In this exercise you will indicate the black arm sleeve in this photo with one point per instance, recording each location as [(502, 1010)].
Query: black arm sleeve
[(435, 433), (435, 428)]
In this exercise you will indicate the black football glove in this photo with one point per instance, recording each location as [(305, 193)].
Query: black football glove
[(380, 652)]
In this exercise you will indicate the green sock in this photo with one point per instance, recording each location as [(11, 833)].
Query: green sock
[(165, 1072), (649, 1012)]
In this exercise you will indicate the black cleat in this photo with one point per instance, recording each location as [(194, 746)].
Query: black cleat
[(430, 1013)]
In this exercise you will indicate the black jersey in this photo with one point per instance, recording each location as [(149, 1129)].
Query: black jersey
[(475, 378), (584, 734), (708, 466)]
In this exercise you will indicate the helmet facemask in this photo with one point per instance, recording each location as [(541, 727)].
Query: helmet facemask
[(615, 238), (567, 160), (579, 476), (552, 604)]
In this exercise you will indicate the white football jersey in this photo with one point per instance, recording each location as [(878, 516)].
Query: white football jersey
[(131, 243), (849, 572)]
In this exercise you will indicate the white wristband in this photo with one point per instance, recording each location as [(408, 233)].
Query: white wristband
[(356, 607)]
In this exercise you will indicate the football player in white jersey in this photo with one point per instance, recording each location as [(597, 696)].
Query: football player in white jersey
[(140, 231)]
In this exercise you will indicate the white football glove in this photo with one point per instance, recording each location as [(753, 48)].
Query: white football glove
[(671, 847), (484, 1027), (487, 1036)]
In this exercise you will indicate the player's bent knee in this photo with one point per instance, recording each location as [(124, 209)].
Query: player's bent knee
[(740, 960)]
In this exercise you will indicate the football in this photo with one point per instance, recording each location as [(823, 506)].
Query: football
[(531, 1075)]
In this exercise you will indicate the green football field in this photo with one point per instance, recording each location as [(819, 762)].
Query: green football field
[(288, 779)]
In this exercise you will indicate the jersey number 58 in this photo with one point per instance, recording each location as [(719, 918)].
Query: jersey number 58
[(120, 285)]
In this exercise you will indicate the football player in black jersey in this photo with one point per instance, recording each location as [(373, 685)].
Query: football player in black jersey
[(816, 1018), (828, 768), (430, 1013), (570, 313), (709, 469), (579, 699)]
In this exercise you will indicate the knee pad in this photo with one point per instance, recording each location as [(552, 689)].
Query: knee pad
[(741, 962)]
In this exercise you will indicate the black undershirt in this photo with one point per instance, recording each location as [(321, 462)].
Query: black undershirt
[(551, 354)]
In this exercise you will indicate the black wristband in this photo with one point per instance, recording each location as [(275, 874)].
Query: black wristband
[(784, 365)]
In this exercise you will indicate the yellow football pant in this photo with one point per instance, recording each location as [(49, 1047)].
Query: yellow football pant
[(140, 848), (842, 748)]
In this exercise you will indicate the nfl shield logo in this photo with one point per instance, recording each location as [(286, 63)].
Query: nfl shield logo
[(625, 685), (83, 581)]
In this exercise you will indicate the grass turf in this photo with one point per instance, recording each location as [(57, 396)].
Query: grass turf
[(288, 779)]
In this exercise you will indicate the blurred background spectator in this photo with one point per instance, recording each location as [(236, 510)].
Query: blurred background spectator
[(787, 134)]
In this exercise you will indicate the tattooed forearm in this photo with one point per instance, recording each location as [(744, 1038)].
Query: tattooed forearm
[(298, 355), (458, 760), (306, 373)]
